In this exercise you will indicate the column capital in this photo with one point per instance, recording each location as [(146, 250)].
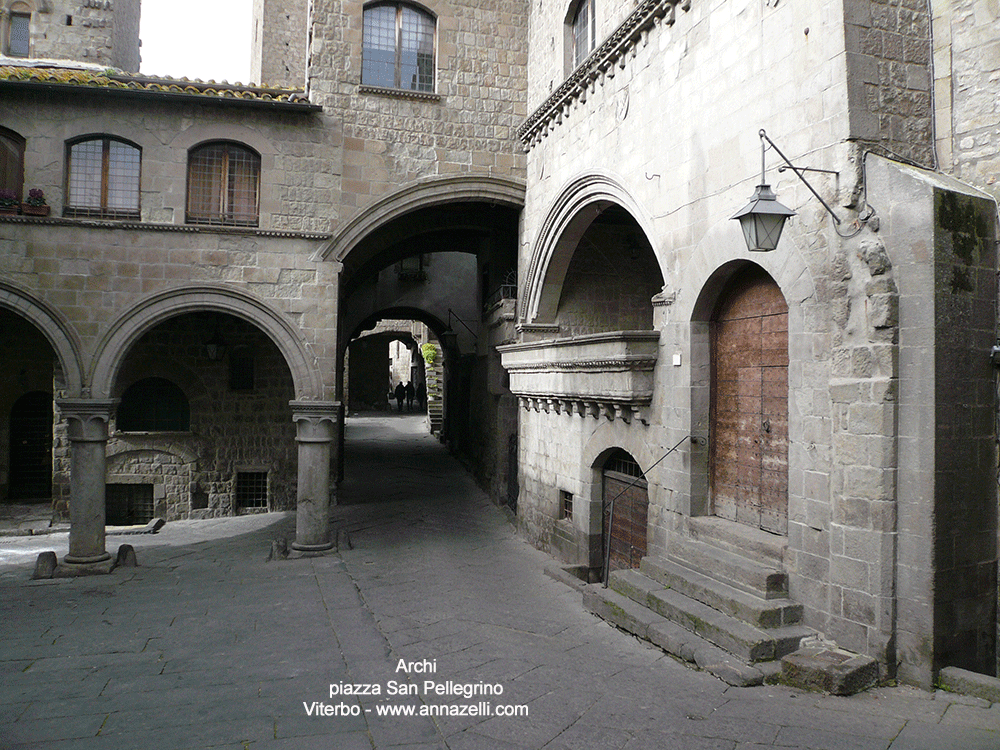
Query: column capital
[(87, 418), (317, 410), (315, 421)]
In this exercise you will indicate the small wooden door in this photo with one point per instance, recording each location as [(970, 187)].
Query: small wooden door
[(749, 405), (625, 484)]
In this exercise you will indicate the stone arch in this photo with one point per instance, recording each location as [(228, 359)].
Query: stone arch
[(569, 216), (131, 325), (432, 191), (55, 328)]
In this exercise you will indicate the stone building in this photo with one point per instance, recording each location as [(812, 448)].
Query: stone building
[(812, 426), (100, 32), (803, 439)]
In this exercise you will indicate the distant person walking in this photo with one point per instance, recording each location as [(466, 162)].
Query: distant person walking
[(409, 396), (421, 395), (400, 395)]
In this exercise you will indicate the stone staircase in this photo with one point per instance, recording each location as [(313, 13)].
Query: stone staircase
[(719, 599)]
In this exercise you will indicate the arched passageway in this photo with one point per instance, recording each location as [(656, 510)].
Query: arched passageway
[(439, 261), (30, 376)]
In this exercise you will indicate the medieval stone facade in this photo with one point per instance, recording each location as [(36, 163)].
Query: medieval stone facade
[(547, 190)]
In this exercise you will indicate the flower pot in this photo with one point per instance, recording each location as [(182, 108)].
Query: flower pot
[(29, 210), (8, 210)]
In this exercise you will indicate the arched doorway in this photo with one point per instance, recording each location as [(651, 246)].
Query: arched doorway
[(31, 447), (626, 510), (749, 403)]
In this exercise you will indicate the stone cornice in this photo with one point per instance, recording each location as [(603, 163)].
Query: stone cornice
[(148, 226), (601, 62)]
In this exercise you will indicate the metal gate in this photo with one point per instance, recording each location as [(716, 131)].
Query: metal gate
[(624, 484), (749, 403), (31, 447)]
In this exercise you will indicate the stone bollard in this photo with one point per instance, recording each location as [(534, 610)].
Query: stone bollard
[(45, 566), (126, 557)]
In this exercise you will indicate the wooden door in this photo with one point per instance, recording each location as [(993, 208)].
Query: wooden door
[(749, 421), (625, 484)]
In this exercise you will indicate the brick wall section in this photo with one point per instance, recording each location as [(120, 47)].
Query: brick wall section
[(965, 547), (299, 157), (468, 127), (102, 32), (889, 76), (966, 65), (860, 519), (278, 46)]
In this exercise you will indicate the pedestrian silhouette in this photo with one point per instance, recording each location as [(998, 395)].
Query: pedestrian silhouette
[(409, 396), (421, 395), (400, 396)]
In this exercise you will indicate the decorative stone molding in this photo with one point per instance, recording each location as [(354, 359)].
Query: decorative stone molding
[(316, 421), (603, 375), (601, 64)]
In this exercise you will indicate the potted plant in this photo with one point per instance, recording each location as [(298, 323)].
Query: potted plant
[(35, 205), (8, 202)]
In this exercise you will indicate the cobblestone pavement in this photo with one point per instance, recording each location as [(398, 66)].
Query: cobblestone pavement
[(207, 645)]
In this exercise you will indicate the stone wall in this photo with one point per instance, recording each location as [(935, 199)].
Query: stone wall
[(966, 64), (889, 76), (467, 125), (99, 32), (278, 47), (299, 157)]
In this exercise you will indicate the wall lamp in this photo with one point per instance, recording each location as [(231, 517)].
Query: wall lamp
[(763, 218)]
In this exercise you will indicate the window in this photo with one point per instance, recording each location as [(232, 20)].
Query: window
[(19, 41), (128, 504), (398, 50), (223, 185), (12, 162), (251, 489), (153, 405), (584, 31), (565, 505), (102, 179)]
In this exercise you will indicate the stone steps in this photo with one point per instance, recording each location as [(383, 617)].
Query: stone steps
[(748, 642), (751, 543), (762, 579), (755, 610)]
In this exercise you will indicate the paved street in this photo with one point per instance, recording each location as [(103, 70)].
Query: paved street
[(208, 645)]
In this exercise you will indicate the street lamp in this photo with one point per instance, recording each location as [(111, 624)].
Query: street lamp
[(763, 218)]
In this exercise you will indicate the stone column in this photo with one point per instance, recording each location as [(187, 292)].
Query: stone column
[(316, 429), (87, 422)]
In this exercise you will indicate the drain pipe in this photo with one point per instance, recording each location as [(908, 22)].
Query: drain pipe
[(611, 506)]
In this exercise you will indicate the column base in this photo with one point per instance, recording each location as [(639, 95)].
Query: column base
[(71, 569), (313, 547)]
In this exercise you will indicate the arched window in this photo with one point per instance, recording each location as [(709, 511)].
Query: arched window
[(223, 185), (584, 28), (12, 163), (153, 405), (398, 50), (102, 178)]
